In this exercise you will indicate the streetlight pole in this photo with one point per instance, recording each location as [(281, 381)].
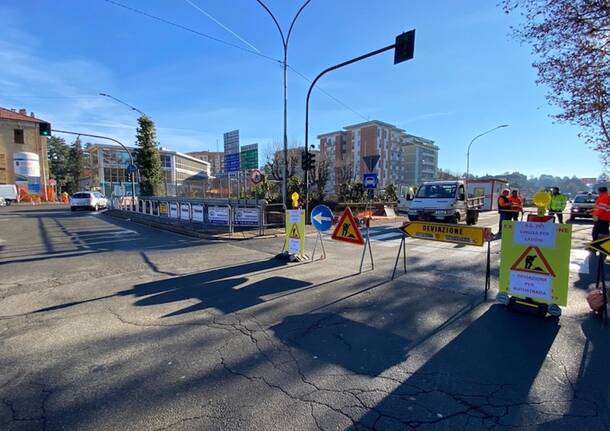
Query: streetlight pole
[(285, 40), (133, 186), (133, 108), (470, 145), (133, 174)]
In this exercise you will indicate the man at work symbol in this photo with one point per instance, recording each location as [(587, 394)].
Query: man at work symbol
[(345, 232), (529, 261)]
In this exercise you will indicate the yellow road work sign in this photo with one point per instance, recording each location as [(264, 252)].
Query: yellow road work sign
[(163, 208), (295, 232), (535, 261), (454, 233), (601, 245)]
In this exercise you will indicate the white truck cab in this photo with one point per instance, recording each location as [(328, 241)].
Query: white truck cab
[(445, 201)]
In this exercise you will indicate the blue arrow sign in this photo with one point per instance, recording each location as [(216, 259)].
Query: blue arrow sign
[(370, 181), (321, 218)]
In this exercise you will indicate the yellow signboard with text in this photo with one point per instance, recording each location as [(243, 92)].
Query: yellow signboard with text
[(295, 232), (535, 261), (454, 233)]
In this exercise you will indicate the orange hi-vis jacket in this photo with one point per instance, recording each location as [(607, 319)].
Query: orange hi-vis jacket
[(516, 203), (504, 203), (601, 210)]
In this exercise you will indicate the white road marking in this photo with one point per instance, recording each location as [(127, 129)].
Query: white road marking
[(580, 261)]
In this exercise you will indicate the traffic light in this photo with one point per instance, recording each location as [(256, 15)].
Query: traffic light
[(308, 161), (311, 161), (405, 47), (44, 128)]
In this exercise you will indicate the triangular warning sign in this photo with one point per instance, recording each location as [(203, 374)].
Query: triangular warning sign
[(347, 229), (532, 260), (294, 232)]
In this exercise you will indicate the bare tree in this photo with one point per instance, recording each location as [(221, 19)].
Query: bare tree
[(571, 39), (344, 173), (275, 160)]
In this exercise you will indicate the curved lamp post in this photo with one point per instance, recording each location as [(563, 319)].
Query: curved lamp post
[(470, 145), (285, 40)]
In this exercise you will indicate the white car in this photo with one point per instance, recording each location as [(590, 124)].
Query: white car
[(88, 200)]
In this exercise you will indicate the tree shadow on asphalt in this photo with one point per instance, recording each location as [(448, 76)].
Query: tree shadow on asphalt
[(332, 338), (225, 289), (475, 380)]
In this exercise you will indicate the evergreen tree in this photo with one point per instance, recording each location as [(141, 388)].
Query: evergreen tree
[(58, 154), (76, 166), (147, 156)]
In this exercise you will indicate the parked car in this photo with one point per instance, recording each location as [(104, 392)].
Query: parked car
[(9, 193), (88, 200), (582, 206)]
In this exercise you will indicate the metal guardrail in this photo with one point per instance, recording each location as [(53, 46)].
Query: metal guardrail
[(207, 213)]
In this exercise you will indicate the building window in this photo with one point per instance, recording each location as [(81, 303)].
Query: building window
[(18, 136)]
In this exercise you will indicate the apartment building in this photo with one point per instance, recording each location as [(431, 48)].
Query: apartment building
[(404, 159)]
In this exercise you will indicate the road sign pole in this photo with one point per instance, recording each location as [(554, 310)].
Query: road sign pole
[(488, 270), (401, 249)]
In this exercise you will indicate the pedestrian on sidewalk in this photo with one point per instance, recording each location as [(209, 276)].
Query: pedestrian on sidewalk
[(557, 204)]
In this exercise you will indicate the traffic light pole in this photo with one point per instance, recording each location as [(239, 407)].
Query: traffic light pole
[(133, 175), (313, 83)]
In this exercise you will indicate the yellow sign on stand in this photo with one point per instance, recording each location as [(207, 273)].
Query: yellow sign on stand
[(454, 233), (535, 261), (295, 232)]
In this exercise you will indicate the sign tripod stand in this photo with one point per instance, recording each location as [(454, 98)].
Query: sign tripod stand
[(601, 280), (367, 242), (315, 245)]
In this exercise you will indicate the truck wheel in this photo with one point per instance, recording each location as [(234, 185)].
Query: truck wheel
[(454, 220), (472, 217)]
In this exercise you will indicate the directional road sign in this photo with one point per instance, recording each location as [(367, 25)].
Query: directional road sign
[(131, 169), (601, 245), (370, 181), (454, 233), (321, 218)]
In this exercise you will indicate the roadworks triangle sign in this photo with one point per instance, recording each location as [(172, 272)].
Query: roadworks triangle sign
[(347, 229), (532, 260), (294, 232)]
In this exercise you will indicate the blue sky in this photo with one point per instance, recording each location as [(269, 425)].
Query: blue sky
[(468, 76)]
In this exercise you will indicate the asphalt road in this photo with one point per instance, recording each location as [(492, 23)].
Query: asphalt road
[(105, 324)]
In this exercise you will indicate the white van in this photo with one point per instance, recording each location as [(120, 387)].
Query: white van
[(9, 193)]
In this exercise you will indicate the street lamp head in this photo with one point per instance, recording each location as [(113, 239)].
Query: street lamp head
[(103, 94), (503, 125)]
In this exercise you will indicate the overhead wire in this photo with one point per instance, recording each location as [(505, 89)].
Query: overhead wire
[(224, 42), (191, 30), (197, 7)]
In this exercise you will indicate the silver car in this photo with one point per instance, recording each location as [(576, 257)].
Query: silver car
[(88, 200)]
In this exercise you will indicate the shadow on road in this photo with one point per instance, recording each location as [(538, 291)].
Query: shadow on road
[(481, 378), (332, 338), (225, 289)]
